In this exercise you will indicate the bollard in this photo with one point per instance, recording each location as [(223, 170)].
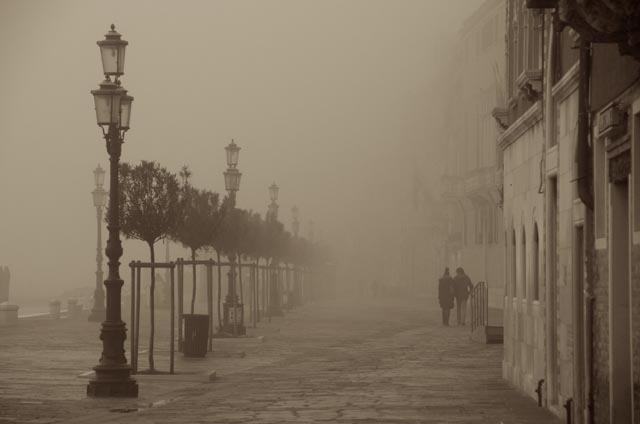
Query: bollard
[(539, 392), (568, 406), (54, 309)]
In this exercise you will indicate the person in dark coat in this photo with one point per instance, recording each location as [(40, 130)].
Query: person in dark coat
[(445, 296), (462, 288)]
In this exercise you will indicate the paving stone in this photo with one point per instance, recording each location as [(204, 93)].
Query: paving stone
[(343, 361)]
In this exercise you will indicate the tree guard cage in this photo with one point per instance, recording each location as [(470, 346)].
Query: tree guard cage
[(136, 273), (208, 264)]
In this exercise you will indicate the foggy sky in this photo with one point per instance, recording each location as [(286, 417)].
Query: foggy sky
[(330, 99)]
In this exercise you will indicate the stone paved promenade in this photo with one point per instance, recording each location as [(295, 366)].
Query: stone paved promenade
[(326, 362)]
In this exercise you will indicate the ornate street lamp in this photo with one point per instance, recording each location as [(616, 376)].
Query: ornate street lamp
[(272, 212), (297, 291), (233, 151), (112, 50), (113, 112), (233, 310), (275, 297), (296, 222), (99, 200), (232, 181), (273, 192)]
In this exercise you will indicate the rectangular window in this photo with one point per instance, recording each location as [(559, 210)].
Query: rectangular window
[(600, 187), (521, 43)]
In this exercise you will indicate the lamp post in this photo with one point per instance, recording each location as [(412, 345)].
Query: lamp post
[(99, 199), (311, 231), (295, 213), (275, 308), (233, 310), (113, 112), (297, 291)]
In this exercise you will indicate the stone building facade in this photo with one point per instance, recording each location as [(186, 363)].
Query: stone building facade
[(542, 215), (612, 330), (470, 190), (572, 227)]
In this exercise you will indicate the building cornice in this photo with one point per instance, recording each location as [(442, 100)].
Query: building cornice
[(567, 84), (526, 121)]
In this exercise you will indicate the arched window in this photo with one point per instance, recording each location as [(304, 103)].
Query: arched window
[(523, 271), (535, 264)]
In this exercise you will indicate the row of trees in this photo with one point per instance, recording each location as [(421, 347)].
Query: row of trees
[(156, 204)]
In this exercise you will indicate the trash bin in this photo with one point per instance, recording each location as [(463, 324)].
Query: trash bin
[(196, 335)]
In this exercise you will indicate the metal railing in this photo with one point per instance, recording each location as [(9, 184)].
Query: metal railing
[(479, 305)]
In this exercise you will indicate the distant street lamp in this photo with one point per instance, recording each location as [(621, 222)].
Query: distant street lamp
[(296, 223), (311, 231), (113, 112), (272, 216), (233, 310), (297, 290), (273, 206), (99, 200)]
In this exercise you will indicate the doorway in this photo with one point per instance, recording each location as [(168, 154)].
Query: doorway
[(621, 387)]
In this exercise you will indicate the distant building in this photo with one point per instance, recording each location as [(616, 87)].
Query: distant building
[(470, 186), (541, 212)]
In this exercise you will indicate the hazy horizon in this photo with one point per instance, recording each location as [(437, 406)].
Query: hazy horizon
[(329, 99)]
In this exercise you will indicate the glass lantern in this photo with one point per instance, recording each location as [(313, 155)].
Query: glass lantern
[(125, 112), (99, 197), (112, 50), (107, 103), (233, 151), (273, 192), (232, 179), (98, 176)]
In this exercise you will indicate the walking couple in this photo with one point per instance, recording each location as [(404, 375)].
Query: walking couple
[(457, 288)]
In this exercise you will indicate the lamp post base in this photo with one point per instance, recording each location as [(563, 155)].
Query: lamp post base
[(112, 381), (229, 329)]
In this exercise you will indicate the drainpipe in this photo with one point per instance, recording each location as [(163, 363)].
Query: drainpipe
[(584, 177), (583, 150), (568, 407), (539, 392), (550, 376)]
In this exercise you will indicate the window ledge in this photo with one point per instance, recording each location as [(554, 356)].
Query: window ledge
[(529, 84)]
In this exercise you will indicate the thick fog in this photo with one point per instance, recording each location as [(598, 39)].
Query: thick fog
[(335, 101)]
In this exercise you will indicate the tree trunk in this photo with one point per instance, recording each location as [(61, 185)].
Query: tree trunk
[(152, 307), (193, 290), (240, 278), (256, 288), (219, 290)]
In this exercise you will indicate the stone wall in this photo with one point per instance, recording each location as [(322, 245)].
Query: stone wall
[(601, 337), (524, 337)]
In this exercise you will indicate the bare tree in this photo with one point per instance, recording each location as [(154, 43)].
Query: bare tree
[(149, 211), (199, 221)]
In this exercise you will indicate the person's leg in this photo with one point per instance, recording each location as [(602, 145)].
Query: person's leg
[(445, 316), (458, 308), (463, 310)]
